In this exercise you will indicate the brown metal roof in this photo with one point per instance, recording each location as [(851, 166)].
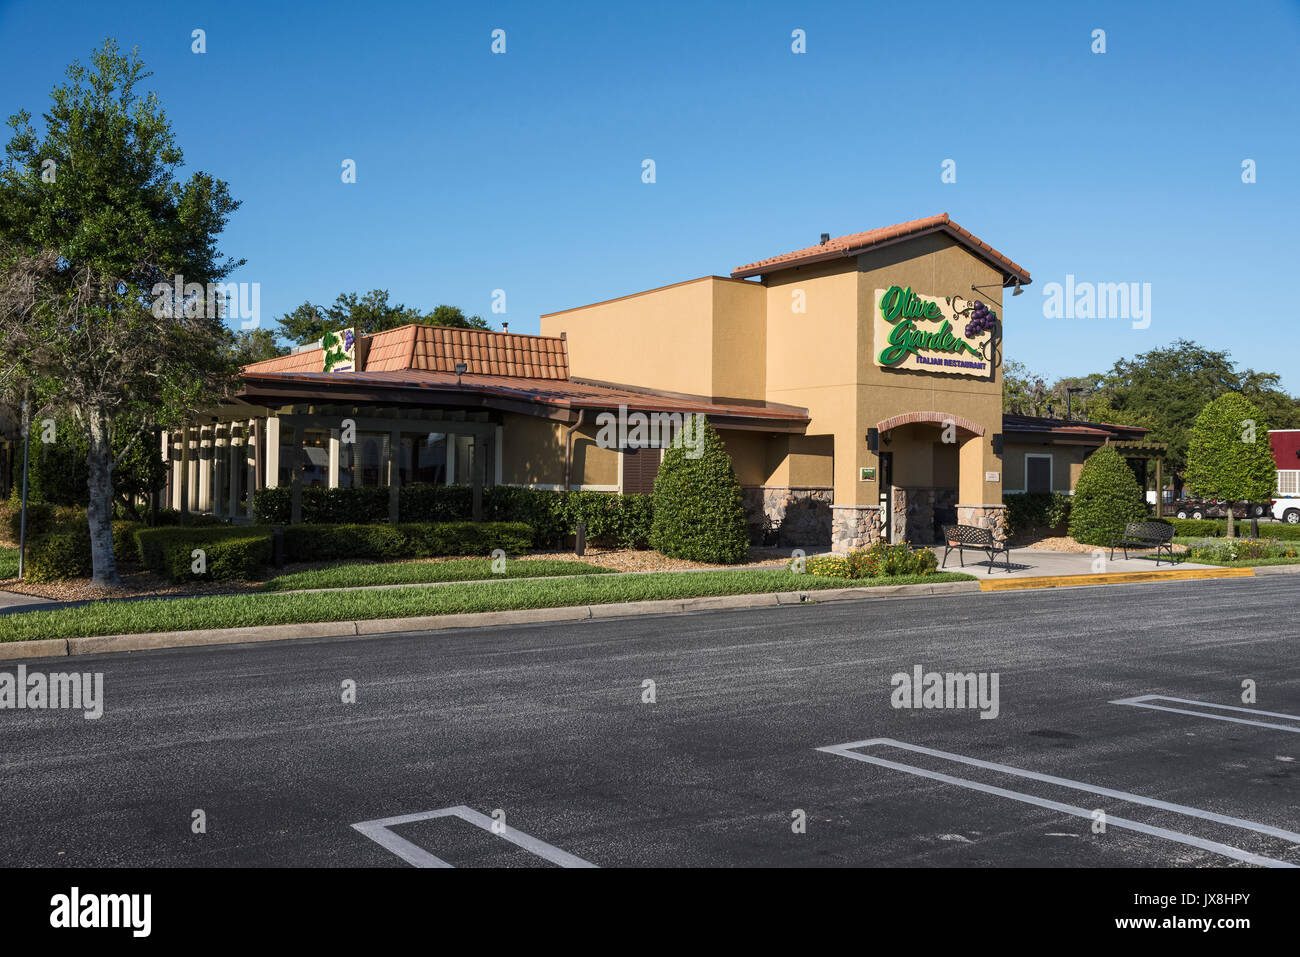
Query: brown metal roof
[(1034, 424), (844, 246), (424, 385)]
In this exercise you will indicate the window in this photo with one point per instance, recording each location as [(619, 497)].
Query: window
[(1038, 473), (1288, 481), (430, 455)]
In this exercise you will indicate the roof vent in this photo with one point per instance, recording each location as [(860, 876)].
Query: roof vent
[(505, 327), (826, 237)]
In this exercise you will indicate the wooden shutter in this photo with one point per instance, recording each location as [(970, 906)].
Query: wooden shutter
[(640, 466)]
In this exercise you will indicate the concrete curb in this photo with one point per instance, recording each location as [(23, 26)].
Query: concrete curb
[(1277, 570), (1112, 578), (60, 647)]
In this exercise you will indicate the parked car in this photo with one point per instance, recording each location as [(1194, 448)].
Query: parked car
[(1217, 508), (1287, 510)]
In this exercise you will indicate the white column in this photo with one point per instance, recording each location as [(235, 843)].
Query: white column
[(233, 446), (250, 468), (203, 501), (272, 452), (334, 459)]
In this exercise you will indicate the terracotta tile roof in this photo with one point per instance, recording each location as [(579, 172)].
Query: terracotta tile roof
[(440, 348), (391, 349), (562, 393), (844, 246), (312, 360)]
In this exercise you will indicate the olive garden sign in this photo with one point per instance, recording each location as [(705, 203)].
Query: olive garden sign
[(943, 336)]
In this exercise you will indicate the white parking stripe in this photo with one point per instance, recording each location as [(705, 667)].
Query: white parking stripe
[(378, 831), (1144, 701), (850, 750)]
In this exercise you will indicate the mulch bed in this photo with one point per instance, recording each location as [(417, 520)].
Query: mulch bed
[(1062, 543)]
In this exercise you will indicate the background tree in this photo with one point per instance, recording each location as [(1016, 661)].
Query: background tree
[(1105, 498), (1170, 386), (366, 314), (1023, 392), (95, 227), (1228, 455), (699, 512), (254, 345)]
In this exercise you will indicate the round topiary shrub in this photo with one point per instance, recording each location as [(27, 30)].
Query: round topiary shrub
[(1106, 497), (698, 510)]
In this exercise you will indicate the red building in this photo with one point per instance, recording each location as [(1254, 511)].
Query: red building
[(1286, 456)]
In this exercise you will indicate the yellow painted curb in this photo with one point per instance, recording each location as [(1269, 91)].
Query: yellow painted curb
[(1113, 578)]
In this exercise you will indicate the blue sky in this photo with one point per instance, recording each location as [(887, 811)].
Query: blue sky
[(522, 171)]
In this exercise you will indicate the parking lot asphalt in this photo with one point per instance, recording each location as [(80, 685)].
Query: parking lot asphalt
[(553, 733)]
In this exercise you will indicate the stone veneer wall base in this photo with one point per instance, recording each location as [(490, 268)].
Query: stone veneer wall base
[(854, 526), (984, 516)]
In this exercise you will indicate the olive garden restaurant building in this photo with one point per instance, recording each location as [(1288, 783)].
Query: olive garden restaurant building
[(856, 384)]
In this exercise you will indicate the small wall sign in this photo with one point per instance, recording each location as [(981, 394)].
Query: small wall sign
[(992, 476), (866, 475)]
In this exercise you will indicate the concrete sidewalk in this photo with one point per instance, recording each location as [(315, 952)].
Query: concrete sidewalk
[(1034, 562), (14, 602)]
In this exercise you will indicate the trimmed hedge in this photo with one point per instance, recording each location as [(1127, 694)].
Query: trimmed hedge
[(1217, 527), (237, 558), (124, 548), (408, 540), (172, 517), (58, 555), (1105, 498), (611, 518), (242, 552), (167, 551), (42, 518), (1033, 511), (699, 513)]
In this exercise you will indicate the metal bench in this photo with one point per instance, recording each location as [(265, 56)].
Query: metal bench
[(1157, 535), (962, 537)]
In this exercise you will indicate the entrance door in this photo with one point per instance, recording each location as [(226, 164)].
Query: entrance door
[(886, 486)]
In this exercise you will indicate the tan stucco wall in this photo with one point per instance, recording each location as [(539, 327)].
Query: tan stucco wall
[(933, 265), (725, 338), (1067, 461), (749, 454), (701, 337), (824, 360)]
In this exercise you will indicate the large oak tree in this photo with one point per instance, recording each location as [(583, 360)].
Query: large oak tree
[(95, 228)]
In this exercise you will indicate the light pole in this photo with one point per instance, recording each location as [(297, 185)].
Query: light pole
[(1069, 394), (22, 520)]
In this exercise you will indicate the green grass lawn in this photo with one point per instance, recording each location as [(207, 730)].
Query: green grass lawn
[(415, 573), (8, 562), (232, 611)]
